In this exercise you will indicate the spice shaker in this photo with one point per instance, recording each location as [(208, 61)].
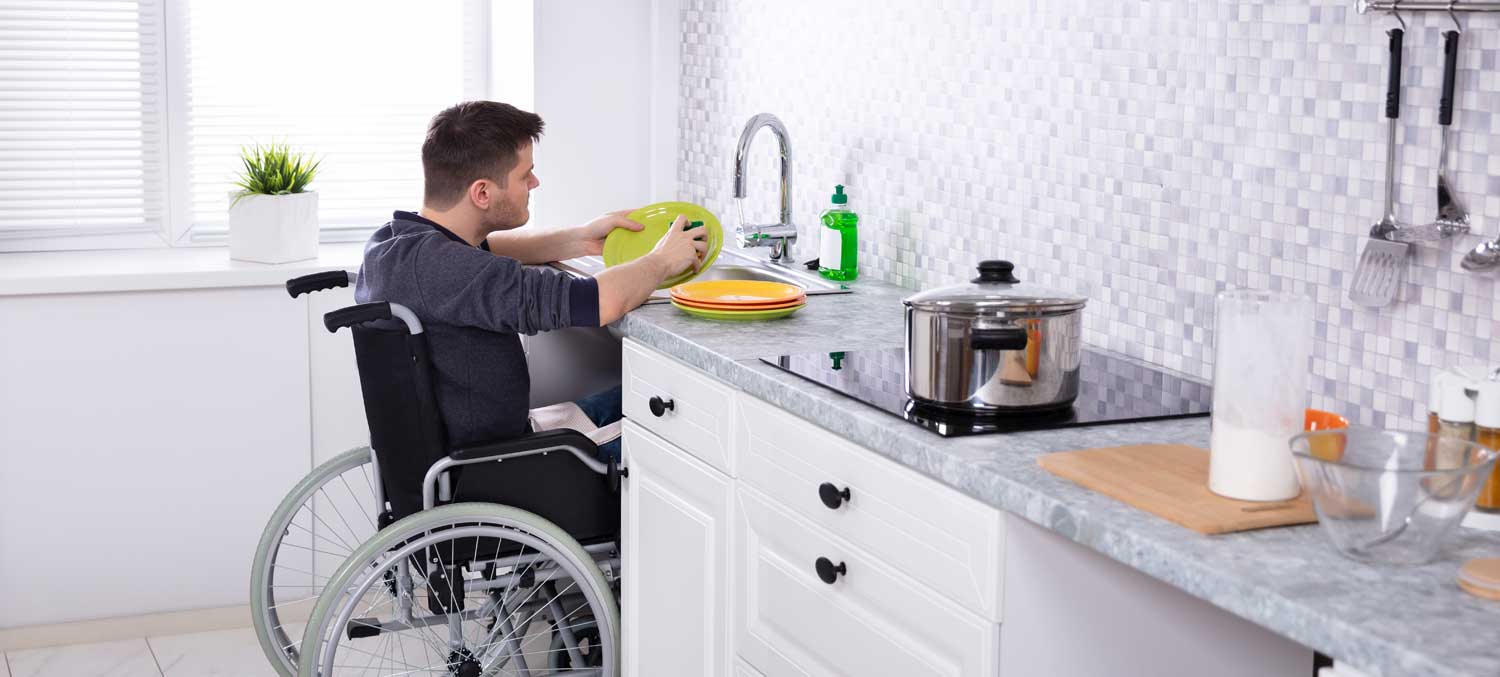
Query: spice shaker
[(1487, 433)]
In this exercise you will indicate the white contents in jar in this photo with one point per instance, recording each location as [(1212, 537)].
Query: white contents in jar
[(1252, 464)]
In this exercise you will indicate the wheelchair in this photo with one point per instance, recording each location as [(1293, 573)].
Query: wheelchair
[(493, 559)]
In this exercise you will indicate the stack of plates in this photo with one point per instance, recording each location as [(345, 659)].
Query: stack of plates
[(738, 299)]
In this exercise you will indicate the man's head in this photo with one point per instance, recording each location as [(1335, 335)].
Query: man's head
[(478, 155)]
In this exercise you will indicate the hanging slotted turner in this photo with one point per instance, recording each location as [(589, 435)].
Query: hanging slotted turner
[(1379, 273)]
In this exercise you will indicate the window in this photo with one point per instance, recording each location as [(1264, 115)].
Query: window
[(121, 121), (81, 127)]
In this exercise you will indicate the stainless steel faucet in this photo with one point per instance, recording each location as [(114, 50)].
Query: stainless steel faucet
[(778, 236)]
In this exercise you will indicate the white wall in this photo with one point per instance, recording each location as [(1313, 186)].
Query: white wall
[(606, 85)]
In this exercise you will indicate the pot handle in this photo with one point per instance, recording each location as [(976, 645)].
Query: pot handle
[(1000, 338)]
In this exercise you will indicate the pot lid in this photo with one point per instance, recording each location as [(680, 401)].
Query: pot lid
[(996, 288)]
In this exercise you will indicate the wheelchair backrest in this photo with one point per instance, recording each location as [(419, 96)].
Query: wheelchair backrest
[(406, 428)]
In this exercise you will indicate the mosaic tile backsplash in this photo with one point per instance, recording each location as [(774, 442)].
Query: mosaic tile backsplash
[(1150, 153)]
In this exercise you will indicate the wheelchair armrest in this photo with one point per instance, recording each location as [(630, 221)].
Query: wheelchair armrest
[(307, 284), (530, 442), (570, 441)]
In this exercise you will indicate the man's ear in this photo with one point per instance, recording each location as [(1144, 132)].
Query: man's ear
[(483, 192)]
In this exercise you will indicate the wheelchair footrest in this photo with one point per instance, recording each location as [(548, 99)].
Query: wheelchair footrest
[(361, 628)]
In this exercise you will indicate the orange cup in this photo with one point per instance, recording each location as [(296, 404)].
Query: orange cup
[(1327, 448)]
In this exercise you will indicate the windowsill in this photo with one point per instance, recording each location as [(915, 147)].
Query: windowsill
[(119, 270)]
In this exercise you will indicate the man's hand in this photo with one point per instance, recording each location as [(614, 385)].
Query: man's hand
[(628, 285), (594, 232), (680, 248)]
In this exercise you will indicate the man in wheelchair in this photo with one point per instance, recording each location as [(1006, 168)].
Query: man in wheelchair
[(459, 264), (472, 537)]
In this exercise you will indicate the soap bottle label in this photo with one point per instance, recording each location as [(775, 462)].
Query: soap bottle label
[(831, 249)]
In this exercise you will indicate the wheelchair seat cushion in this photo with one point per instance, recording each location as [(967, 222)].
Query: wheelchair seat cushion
[(554, 485)]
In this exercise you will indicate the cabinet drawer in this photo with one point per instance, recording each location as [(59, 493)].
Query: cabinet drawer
[(942, 538), (701, 408), (870, 621)]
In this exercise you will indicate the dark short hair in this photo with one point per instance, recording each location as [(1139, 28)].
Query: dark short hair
[(471, 141)]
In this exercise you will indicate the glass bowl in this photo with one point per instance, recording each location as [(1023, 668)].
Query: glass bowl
[(1389, 497)]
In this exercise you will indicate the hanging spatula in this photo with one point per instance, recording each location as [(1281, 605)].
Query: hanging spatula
[(1381, 267)]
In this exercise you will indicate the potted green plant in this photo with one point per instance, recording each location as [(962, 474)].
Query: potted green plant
[(273, 217)]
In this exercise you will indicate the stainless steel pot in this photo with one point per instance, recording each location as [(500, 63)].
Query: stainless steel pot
[(993, 345)]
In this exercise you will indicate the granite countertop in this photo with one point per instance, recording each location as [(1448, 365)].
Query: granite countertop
[(1382, 619)]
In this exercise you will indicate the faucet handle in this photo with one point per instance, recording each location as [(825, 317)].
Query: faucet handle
[(777, 236)]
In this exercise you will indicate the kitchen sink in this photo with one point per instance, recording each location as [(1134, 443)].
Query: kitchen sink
[(730, 265)]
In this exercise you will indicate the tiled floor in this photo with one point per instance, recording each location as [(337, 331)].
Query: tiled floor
[(224, 653)]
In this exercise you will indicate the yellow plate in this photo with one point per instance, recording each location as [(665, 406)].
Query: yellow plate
[(738, 315), (737, 292), (623, 246)]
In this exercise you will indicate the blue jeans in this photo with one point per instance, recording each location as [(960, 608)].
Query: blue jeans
[(603, 408)]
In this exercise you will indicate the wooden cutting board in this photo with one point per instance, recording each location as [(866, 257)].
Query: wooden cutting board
[(1171, 482)]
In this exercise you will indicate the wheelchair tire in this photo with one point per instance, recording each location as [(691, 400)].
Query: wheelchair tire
[(457, 629), (273, 612)]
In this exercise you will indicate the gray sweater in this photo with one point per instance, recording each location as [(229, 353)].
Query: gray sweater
[(473, 305)]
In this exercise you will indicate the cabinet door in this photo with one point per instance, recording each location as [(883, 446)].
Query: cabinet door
[(676, 561)]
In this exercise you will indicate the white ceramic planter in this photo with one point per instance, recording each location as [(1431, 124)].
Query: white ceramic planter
[(274, 228)]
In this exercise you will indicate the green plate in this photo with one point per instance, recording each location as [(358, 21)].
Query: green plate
[(624, 246), (738, 315)]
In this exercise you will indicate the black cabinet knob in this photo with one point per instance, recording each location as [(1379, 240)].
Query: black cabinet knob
[(660, 407), (828, 572), (832, 496)]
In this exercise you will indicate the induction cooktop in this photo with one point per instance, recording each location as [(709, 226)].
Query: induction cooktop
[(1112, 389)]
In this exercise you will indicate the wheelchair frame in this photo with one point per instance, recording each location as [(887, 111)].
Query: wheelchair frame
[(437, 486)]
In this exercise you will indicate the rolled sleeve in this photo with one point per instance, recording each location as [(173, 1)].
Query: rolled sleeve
[(583, 303)]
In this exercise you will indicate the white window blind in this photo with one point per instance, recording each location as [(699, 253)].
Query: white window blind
[(354, 83), (81, 118)]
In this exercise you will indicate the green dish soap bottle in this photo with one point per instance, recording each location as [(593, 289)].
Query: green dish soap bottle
[(838, 250)]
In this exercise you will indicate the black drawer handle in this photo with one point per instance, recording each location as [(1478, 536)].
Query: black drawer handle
[(660, 407), (832, 496), (828, 572)]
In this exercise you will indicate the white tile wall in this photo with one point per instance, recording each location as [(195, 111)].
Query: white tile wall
[(1152, 152)]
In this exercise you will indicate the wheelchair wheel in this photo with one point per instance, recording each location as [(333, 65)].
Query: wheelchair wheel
[(314, 530), (479, 590)]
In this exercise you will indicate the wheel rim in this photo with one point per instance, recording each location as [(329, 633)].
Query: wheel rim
[(494, 625), (317, 527)]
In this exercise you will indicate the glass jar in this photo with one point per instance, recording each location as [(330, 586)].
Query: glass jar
[(1262, 345)]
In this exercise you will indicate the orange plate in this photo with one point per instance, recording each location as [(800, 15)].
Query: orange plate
[(741, 306), (736, 292)]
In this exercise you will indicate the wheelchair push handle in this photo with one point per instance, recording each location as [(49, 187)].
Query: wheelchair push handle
[(371, 312), (308, 284), (353, 315)]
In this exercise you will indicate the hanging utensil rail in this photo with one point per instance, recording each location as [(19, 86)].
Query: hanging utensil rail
[(1425, 6)]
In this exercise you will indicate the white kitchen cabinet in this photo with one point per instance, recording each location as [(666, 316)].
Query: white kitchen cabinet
[(676, 566), (932, 533), (725, 524), (870, 620), (145, 437)]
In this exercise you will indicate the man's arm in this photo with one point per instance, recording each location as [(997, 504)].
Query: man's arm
[(535, 246)]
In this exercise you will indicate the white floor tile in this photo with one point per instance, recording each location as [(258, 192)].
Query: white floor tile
[(222, 653), (126, 658)]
